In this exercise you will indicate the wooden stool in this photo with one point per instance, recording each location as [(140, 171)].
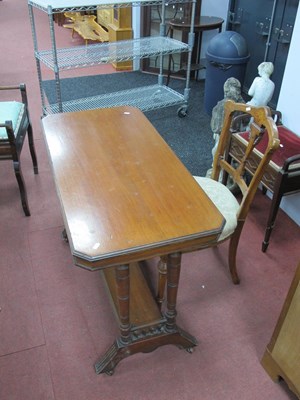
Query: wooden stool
[(282, 176)]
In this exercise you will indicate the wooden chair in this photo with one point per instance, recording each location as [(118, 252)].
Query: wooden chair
[(14, 124), (234, 211), (282, 175)]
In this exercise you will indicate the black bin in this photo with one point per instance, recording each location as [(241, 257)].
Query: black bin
[(226, 57)]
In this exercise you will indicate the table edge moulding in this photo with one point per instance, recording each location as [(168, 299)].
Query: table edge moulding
[(118, 53)]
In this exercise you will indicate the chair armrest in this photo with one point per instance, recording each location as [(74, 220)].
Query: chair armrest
[(239, 122), (277, 117), (21, 87), (11, 87), (289, 161), (242, 120), (10, 132)]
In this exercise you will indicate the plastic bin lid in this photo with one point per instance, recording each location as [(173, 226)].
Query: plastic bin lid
[(228, 47)]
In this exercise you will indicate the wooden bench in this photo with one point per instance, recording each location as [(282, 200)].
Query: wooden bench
[(86, 27)]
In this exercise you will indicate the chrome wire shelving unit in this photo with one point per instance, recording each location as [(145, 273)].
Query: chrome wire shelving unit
[(61, 59)]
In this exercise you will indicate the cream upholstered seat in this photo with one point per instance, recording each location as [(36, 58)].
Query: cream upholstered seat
[(234, 209), (225, 202), (14, 124)]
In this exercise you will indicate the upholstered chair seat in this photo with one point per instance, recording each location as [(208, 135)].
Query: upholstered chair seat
[(12, 111), (225, 202)]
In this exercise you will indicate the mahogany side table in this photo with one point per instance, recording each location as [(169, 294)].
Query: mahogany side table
[(126, 197)]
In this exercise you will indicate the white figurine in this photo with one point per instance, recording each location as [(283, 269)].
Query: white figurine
[(262, 87)]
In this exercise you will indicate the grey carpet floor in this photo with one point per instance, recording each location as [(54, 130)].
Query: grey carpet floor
[(189, 137)]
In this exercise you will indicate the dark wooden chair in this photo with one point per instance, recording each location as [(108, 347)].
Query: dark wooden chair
[(234, 210), (14, 124), (282, 175), (287, 181)]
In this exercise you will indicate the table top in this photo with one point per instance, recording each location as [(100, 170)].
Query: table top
[(201, 24), (125, 196)]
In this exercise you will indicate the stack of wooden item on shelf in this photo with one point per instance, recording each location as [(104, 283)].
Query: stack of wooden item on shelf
[(86, 27)]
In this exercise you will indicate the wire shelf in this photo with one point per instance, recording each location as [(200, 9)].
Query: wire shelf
[(60, 6), (107, 53), (145, 98)]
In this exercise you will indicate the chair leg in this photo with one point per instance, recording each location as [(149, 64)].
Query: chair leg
[(233, 244), (264, 190), (32, 149), (277, 196), (162, 280), (22, 187)]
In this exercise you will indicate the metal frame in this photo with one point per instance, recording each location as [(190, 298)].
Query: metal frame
[(57, 60)]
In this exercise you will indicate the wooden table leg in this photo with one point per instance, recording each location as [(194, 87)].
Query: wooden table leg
[(162, 279), (177, 336), (123, 291), (173, 274), (118, 351), (145, 338)]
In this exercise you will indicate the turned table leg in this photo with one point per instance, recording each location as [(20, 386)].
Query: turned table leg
[(119, 349), (177, 336), (134, 339), (173, 274), (123, 294), (162, 279)]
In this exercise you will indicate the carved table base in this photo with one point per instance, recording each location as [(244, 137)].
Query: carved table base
[(143, 327), (143, 342)]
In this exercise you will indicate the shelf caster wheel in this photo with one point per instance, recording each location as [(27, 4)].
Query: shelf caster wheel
[(190, 350), (182, 112), (64, 236), (109, 372)]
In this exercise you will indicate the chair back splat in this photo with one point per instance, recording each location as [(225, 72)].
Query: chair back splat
[(261, 124)]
